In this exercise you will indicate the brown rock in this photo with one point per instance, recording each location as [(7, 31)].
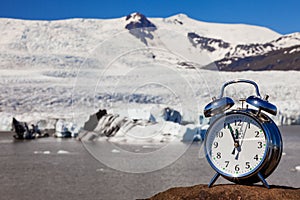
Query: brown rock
[(226, 192)]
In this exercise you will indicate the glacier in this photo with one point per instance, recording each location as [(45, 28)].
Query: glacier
[(68, 69)]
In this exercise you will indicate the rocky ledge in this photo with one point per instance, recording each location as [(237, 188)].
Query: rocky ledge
[(231, 192)]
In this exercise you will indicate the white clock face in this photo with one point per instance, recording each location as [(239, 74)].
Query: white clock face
[(236, 145)]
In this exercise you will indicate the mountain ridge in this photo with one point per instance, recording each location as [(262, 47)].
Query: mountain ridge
[(78, 37)]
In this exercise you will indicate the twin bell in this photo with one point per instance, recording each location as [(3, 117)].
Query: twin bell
[(221, 104)]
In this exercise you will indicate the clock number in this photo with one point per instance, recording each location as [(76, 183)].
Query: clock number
[(220, 134), (216, 144), (249, 124), (218, 155), (237, 168), (240, 123), (256, 134), (247, 165), (226, 125), (259, 145), (256, 157), (227, 163)]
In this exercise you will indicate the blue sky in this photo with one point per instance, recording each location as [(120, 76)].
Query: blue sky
[(281, 16)]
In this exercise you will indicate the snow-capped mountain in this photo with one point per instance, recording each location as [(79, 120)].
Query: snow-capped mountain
[(69, 42), (41, 61), (276, 59)]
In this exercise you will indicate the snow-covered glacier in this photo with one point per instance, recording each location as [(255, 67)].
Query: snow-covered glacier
[(68, 69)]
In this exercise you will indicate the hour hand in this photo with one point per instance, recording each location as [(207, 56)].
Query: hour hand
[(239, 150), (236, 146), (232, 133), (234, 137)]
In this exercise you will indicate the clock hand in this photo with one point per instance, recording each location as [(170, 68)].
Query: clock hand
[(236, 143), (239, 150), (240, 145), (233, 151), (232, 133), (236, 135), (242, 140), (234, 139)]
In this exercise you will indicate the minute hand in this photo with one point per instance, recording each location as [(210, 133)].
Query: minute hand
[(241, 142), (232, 133), (235, 141)]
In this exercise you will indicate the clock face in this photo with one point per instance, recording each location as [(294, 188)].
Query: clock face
[(236, 145)]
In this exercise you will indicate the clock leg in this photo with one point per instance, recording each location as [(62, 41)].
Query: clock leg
[(263, 180), (213, 180)]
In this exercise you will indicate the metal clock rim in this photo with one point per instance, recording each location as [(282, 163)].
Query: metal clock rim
[(264, 159)]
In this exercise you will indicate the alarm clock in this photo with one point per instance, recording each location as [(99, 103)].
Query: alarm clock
[(243, 145)]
